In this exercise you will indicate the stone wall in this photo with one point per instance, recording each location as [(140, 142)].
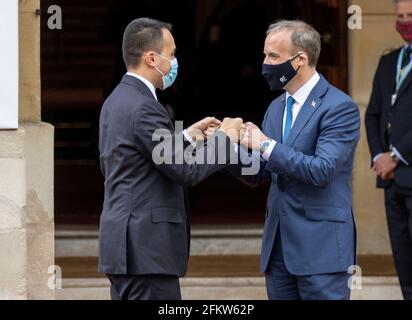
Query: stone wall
[(26, 179), (26, 211)]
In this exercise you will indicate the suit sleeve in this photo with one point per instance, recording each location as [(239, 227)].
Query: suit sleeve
[(404, 146), (170, 154), (373, 116), (246, 163), (339, 134)]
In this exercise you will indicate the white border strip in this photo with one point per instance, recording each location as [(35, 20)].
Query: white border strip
[(9, 64)]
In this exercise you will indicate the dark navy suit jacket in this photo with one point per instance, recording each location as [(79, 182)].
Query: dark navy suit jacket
[(144, 227), (380, 113)]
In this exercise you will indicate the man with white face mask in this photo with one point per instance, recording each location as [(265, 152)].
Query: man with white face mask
[(388, 125), (144, 228)]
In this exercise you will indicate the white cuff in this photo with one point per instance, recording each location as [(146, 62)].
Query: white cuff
[(189, 138), (236, 147), (377, 157), (268, 152), (400, 156)]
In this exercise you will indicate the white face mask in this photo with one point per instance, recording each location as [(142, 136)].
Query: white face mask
[(170, 78)]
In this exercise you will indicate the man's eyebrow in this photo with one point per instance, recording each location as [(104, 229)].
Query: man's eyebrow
[(271, 54)]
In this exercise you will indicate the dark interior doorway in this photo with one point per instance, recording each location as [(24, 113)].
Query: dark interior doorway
[(220, 52)]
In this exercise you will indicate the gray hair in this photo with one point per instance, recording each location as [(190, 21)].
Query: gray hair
[(140, 36), (304, 38)]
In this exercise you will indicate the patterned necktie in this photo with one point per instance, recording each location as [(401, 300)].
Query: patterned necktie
[(407, 57), (289, 118)]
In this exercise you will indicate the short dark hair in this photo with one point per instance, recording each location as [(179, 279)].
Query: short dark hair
[(304, 38), (140, 36)]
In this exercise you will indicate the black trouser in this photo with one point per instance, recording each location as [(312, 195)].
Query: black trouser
[(398, 202), (144, 287)]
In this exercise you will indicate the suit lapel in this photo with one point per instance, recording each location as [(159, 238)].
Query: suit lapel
[(405, 84), (390, 73), (144, 90), (139, 85), (392, 76), (311, 104)]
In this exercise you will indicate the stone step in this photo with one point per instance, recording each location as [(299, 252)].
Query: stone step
[(220, 266), (206, 240), (244, 288), (199, 266), (215, 251)]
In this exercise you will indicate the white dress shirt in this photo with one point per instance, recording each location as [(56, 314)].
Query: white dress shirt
[(145, 81), (300, 97)]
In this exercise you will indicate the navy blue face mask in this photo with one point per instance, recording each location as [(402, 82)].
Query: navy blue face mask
[(279, 75)]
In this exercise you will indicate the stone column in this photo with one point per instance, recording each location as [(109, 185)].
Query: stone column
[(377, 37), (26, 179)]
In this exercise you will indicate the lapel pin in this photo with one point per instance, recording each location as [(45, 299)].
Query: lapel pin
[(313, 104)]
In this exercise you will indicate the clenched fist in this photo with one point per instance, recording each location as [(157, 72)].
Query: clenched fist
[(253, 136), (233, 128), (198, 131)]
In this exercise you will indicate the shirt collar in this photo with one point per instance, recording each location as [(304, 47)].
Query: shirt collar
[(303, 93), (145, 81)]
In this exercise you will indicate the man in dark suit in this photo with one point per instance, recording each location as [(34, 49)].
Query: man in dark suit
[(389, 130), (144, 227)]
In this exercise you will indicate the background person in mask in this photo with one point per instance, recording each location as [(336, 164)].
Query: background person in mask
[(389, 129), (144, 227), (307, 147)]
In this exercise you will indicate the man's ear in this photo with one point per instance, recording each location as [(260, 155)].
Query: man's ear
[(303, 59), (149, 58)]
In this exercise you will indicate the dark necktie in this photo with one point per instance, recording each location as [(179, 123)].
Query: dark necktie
[(407, 57)]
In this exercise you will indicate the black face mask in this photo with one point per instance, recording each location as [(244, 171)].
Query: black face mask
[(279, 75)]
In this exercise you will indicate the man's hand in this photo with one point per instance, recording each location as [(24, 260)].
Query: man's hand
[(198, 130), (233, 128), (253, 137), (211, 131), (385, 166), (389, 176)]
